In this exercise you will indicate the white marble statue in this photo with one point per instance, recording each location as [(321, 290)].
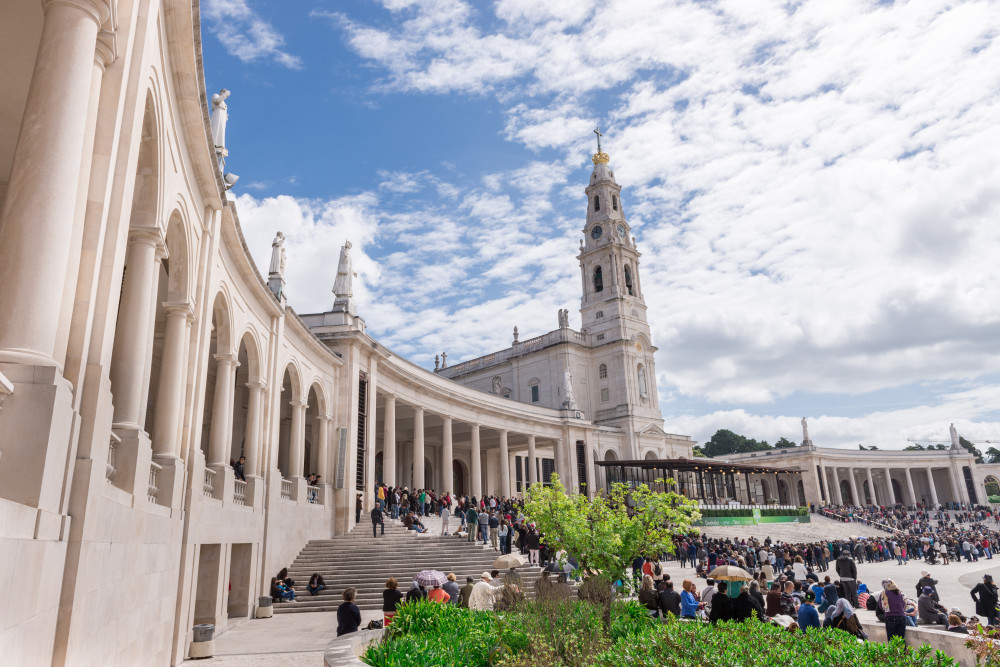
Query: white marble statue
[(343, 285), (954, 436), (220, 115), (642, 382), (805, 430), (277, 256), (570, 401), (563, 318), (497, 384)]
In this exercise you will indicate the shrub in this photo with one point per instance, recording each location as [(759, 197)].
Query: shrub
[(994, 499)]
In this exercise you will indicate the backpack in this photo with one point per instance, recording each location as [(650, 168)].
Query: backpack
[(657, 570), (374, 625)]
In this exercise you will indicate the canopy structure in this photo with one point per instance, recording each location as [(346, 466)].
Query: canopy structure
[(712, 481)]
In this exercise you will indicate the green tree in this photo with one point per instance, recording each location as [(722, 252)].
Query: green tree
[(698, 452), (916, 447), (971, 448), (993, 456), (784, 443), (725, 442), (607, 532)]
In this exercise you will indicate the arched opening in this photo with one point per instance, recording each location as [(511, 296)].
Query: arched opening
[(218, 346), (458, 481), (897, 491), (783, 492), (611, 474), (310, 456), (289, 394), (628, 279), (992, 486), (602, 371), (597, 203), (241, 405), (428, 474), (598, 280), (845, 492), (801, 493), (614, 202), (650, 456)]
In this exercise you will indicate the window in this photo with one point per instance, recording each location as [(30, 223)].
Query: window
[(602, 371), (534, 394), (614, 202), (600, 336), (605, 395), (359, 481), (600, 315), (598, 280), (628, 279), (597, 202)]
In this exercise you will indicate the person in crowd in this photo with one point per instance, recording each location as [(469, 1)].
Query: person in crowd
[(416, 592), (445, 519), (316, 584), (985, 595), (504, 536), (789, 602), (847, 570), (799, 568), (465, 593), (746, 605), (451, 588), (391, 597), (721, 604), (689, 600), (893, 604), (348, 614), (955, 624), (669, 600), (927, 581), (472, 518), (483, 593), (808, 615), (773, 600), (494, 524), (377, 520), (930, 611), (357, 508), (648, 597), (437, 594), (281, 591), (411, 522), (238, 469), (533, 546), (484, 526)]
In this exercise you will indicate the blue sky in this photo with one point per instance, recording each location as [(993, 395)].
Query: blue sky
[(813, 186)]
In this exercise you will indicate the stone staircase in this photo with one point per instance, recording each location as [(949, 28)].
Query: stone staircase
[(357, 560)]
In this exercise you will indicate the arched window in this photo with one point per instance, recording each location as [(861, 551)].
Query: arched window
[(628, 280), (599, 315), (533, 386), (597, 202), (614, 202), (602, 371), (598, 280)]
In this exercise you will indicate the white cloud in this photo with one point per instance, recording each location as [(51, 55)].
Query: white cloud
[(245, 34)]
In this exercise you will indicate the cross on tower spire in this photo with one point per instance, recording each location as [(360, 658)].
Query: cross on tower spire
[(597, 131)]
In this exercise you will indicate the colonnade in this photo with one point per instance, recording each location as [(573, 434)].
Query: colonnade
[(876, 485)]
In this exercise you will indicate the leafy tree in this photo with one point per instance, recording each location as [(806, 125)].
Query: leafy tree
[(971, 448), (993, 456), (784, 443), (607, 532), (698, 452), (725, 442), (916, 447)]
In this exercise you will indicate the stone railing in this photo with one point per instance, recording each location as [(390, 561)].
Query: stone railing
[(239, 492), (518, 349), (111, 467), (312, 493), (286, 489), (154, 480), (208, 485)]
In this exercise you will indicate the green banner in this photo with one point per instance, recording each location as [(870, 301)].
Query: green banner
[(749, 520)]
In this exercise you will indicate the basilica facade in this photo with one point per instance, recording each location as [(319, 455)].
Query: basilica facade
[(161, 402)]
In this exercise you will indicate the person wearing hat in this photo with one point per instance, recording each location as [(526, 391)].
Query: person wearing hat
[(985, 595), (483, 594), (930, 611), (808, 615), (926, 580)]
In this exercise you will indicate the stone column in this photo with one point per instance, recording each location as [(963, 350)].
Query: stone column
[(323, 455), (591, 472), (958, 482), (888, 485), (222, 411), (447, 457), (909, 486), (389, 441), (37, 220), (475, 469), (418, 448), (504, 466), (854, 488), (835, 483), (933, 489), (252, 447), (170, 396), (297, 439), (820, 488), (368, 495), (530, 477), (871, 487), (133, 334)]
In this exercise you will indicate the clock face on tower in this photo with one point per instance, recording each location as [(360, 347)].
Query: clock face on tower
[(596, 232), (621, 231)]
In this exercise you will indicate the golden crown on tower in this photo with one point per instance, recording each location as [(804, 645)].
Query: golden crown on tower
[(600, 157)]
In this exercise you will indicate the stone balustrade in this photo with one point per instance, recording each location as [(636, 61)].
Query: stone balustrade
[(154, 481), (239, 492), (286, 489), (110, 467), (208, 485)]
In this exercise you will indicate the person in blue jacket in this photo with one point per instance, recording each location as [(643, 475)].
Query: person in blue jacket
[(808, 615), (689, 601)]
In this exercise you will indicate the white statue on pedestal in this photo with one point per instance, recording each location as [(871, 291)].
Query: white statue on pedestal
[(642, 382), (955, 444), (570, 402), (220, 115), (805, 430), (277, 256), (343, 285)]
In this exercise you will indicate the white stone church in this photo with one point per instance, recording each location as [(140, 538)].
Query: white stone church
[(142, 353)]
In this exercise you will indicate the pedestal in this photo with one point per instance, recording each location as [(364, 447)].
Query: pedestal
[(202, 649), (265, 612)]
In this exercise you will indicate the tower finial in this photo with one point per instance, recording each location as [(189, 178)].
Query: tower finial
[(599, 156)]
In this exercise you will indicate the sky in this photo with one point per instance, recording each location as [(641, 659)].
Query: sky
[(815, 188)]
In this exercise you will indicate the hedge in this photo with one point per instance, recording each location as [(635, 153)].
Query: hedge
[(745, 511)]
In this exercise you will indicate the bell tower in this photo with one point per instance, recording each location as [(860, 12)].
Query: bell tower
[(612, 310)]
